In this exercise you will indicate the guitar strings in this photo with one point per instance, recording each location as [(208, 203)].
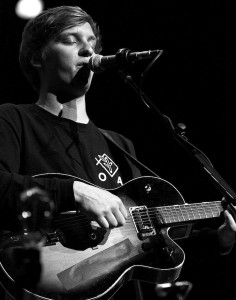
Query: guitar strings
[(155, 215), (153, 212)]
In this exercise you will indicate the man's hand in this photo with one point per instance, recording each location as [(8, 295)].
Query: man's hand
[(99, 205), (227, 231)]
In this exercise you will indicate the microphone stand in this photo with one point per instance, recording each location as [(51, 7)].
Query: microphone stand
[(178, 133)]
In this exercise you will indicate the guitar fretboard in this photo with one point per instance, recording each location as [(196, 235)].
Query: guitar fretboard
[(189, 212)]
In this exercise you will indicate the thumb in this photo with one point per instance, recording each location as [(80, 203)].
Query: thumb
[(229, 221)]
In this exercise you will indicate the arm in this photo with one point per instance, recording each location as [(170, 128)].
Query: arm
[(100, 205), (15, 170)]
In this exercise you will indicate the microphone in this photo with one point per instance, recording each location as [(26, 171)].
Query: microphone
[(99, 63)]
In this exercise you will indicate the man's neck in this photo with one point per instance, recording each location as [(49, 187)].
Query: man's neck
[(74, 110)]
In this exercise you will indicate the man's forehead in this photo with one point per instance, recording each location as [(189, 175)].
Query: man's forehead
[(81, 28)]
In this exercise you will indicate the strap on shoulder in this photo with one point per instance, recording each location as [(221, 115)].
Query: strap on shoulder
[(136, 162)]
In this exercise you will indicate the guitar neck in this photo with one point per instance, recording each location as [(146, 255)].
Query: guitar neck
[(189, 212)]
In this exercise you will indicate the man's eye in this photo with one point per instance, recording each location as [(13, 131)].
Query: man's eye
[(69, 41)]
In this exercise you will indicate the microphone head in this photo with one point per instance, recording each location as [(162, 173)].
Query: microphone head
[(95, 63)]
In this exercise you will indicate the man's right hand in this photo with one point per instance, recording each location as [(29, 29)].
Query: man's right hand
[(99, 205)]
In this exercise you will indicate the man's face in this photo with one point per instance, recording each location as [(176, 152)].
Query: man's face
[(64, 69)]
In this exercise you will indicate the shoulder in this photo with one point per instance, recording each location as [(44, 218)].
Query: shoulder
[(122, 140), (14, 109), (7, 108), (13, 114), (8, 112), (10, 109), (115, 135)]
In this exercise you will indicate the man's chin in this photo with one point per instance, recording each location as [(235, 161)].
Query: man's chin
[(81, 83), (80, 88), (83, 76), (73, 93)]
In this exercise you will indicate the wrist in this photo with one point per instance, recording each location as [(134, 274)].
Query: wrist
[(77, 192)]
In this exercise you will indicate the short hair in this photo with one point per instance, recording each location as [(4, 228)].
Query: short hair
[(45, 27)]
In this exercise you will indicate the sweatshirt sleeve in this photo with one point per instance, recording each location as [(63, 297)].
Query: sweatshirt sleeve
[(12, 182)]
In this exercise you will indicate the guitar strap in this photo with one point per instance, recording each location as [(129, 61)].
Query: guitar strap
[(136, 162)]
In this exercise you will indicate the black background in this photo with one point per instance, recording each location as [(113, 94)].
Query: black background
[(192, 82)]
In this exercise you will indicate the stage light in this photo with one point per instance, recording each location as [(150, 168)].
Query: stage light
[(27, 9)]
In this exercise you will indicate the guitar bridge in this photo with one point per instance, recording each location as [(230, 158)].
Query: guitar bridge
[(142, 221)]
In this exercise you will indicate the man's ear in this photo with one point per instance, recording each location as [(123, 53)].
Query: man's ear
[(36, 61)]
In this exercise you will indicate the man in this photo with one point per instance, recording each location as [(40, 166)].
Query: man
[(56, 136), (53, 55)]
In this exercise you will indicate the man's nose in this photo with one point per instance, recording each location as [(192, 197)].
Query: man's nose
[(86, 50)]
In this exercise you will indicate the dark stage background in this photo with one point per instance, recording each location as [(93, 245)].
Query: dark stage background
[(192, 82)]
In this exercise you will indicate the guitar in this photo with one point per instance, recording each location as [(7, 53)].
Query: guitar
[(80, 260)]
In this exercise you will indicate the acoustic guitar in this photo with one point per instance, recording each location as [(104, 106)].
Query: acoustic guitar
[(80, 260)]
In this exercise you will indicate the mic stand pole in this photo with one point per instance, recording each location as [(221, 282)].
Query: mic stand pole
[(179, 135)]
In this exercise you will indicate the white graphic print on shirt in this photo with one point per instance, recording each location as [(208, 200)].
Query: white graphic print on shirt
[(109, 166)]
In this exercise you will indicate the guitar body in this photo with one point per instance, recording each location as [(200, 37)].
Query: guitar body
[(84, 261)]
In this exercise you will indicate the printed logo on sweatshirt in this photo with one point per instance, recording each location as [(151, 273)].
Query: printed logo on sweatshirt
[(107, 163)]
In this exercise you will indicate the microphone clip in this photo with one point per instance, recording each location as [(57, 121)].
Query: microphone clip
[(123, 59)]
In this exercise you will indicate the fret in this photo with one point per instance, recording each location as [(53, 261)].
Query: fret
[(189, 212)]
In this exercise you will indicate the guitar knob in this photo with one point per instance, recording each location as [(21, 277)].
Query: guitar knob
[(148, 188), (93, 236), (167, 251)]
